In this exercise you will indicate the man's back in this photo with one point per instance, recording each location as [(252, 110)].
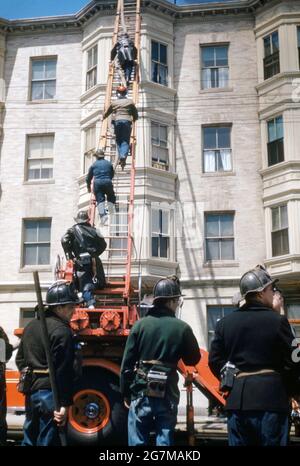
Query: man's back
[(123, 109), (101, 170)]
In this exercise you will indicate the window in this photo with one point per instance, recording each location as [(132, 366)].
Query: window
[(92, 60), (26, 315), (89, 147), (219, 236), (214, 66), (271, 60), (216, 149), (36, 246), (280, 231), (160, 233), (39, 157), (159, 67), (159, 145), (43, 78), (215, 313), (275, 141)]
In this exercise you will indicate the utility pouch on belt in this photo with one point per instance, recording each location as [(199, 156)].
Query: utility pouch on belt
[(25, 380), (156, 383), (228, 374), (85, 258)]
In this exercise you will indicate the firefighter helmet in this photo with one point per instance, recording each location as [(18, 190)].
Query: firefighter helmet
[(167, 288), (60, 293), (82, 217), (100, 154), (255, 281)]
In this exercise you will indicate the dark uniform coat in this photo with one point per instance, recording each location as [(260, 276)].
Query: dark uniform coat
[(255, 337), (158, 336), (62, 347)]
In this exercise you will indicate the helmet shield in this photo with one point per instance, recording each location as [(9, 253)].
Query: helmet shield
[(167, 288)]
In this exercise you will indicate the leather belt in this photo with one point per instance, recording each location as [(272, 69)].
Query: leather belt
[(262, 371), (40, 371)]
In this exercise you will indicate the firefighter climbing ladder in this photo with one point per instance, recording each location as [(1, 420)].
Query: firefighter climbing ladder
[(120, 236)]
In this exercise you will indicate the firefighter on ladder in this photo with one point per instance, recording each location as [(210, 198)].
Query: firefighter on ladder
[(126, 52), (149, 380), (125, 112)]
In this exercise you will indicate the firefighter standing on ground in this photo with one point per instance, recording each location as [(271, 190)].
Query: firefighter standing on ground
[(40, 427), (84, 244), (258, 341), (155, 345), (8, 349)]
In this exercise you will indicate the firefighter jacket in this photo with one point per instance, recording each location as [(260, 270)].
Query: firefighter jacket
[(123, 109), (82, 238), (100, 170), (158, 336), (255, 338), (31, 353), (126, 50)]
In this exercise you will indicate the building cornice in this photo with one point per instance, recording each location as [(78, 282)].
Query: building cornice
[(108, 7)]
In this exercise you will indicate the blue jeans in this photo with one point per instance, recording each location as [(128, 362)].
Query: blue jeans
[(104, 188), (39, 426), (147, 414), (122, 131), (262, 428)]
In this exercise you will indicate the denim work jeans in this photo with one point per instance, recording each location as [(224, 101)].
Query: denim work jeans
[(147, 414), (262, 428), (122, 131), (104, 188), (39, 426)]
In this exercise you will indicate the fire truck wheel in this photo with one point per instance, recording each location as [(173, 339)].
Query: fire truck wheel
[(98, 415)]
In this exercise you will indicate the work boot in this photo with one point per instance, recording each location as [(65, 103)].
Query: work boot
[(122, 163)]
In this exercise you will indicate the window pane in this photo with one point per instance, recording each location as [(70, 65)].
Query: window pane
[(155, 133), (38, 69), (163, 54), (212, 249), (208, 56), (163, 74), (47, 146), (44, 254), (227, 249), (226, 222), (37, 90), (284, 216), (164, 246), (30, 254), (223, 137), (210, 141), (285, 241), (50, 69), (30, 234), (267, 46), (165, 223), (163, 133), (271, 130), (275, 219), (223, 77), (279, 127), (46, 173), (222, 56), (155, 221), (50, 89), (275, 42), (206, 78), (212, 225), (44, 230), (34, 169), (154, 72), (34, 147), (155, 246), (154, 51)]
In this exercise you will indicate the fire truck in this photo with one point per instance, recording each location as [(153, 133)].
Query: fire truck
[(98, 415)]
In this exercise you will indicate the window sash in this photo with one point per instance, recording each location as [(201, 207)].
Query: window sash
[(219, 237), (275, 151), (40, 157), (159, 143), (215, 69), (160, 236), (217, 160), (280, 242), (159, 66), (271, 65), (37, 241), (43, 83)]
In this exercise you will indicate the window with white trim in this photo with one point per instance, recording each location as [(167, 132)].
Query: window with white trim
[(271, 55), (280, 231), (275, 141), (39, 157), (217, 149), (89, 146), (214, 66), (159, 63), (219, 236), (160, 234), (36, 242), (159, 145), (92, 62), (43, 78)]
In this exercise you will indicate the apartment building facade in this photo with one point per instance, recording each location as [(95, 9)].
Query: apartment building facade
[(218, 171)]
